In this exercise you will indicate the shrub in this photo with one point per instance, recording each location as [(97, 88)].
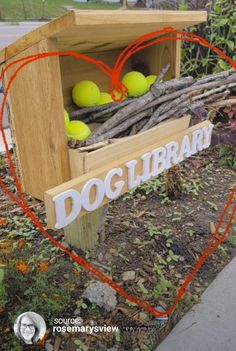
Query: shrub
[(43, 292), (227, 156), (220, 30)]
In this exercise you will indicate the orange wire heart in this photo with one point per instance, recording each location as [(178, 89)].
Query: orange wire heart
[(114, 74)]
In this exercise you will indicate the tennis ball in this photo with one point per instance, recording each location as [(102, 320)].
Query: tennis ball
[(86, 93), (105, 98), (67, 118), (77, 130), (151, 79), (136, 83)]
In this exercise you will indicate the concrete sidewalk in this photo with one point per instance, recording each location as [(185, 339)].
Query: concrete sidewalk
[(9, 141), (211, 324), (8, 34)]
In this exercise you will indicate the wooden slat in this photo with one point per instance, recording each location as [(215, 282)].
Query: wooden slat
[(2, 56), (96, 159), (38, 122), (87, 39), (87, 30), (101, 17), (83, 232), (101, 173), (9, 112), (157, 56)]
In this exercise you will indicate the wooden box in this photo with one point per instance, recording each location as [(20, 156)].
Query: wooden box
[(42, 89)]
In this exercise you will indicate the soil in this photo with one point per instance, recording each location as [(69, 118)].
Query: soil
[(159, 232)]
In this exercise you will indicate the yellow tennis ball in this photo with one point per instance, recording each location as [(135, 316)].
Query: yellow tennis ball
[(86, 93), (77, 130), (150, 80), (105, 98), (136, 83), (67, 118)]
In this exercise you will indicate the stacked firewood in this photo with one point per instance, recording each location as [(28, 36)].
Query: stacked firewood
[(173, 98)]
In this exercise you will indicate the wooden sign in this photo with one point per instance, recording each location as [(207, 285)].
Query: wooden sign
[(90, 191)]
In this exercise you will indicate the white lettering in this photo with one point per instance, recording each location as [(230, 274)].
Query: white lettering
[(86, 194), (171, 156), (185, 149), (159, 161), (113, 194), (197, 141), (132, 182), (112, 184), (207, 132), (60, 207), (146, 166)]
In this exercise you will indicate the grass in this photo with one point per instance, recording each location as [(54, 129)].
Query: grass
[(12, 10)]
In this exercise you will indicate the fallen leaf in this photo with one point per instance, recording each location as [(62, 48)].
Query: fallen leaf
[(5, 244), (21, 243), (43, 266), (139, 214), (3, 222), (5, 251), (2, 309), (56, 297), (22, 266)]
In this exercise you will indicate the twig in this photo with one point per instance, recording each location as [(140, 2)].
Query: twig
[(216, 97), (122, 114), (208, 93), (112, 108), (223, 103), (123, 126), (214, 77), (166, 109), (192, 88), (86, 110), (101, 265), (138, 126), (173, 98), (140, 104), (162, 74)]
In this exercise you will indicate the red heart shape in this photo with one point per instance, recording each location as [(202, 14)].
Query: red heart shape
[(114, 74)]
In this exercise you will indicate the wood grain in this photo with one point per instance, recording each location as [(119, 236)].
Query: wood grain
[(101, 30), (38, 122), (96, 159), (83, 232)]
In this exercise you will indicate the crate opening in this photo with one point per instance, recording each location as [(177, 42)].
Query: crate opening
[(148, 61)]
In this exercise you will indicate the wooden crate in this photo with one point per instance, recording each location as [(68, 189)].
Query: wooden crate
[(42, 90)]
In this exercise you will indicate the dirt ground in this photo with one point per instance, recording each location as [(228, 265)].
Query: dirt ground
[(152, 240)]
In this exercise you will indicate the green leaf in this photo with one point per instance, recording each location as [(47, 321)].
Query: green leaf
[(17, 348), (223, 65), (222, 22), (217, 8), (183, 7), (230, 44), (1, 275)]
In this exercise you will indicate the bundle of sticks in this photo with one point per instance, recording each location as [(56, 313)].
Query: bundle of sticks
[(173, 98)]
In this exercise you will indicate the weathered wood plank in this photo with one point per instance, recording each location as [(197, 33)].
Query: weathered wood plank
[(38, 122)]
